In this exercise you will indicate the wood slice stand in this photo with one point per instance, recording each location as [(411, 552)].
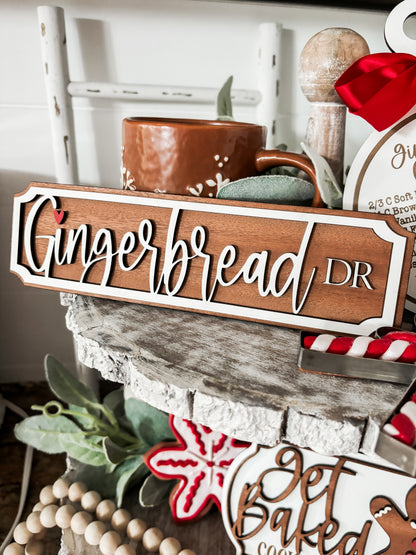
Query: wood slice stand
[(237, 377)]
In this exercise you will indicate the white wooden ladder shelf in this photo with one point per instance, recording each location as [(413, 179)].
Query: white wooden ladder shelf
[(60, 90)]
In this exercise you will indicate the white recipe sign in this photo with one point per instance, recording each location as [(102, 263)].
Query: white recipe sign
[(382, 179)]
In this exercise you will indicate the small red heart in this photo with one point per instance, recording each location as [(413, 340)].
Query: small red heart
[(59, 216)]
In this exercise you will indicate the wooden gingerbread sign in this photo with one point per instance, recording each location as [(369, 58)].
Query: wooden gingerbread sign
[(285, 500), (308, 268)]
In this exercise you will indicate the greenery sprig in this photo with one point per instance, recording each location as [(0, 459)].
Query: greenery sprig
[(224, 101), (109, 438)]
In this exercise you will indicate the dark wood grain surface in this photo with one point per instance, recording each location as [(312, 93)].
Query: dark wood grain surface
[(45, 468)]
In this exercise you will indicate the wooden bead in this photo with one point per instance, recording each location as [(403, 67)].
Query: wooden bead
[(109, 542), (187, 552), (34, 547), (47, 516), (14, 549), (94, 532), (120, 520), (90, 500), (169, 546), (125, 550), (152, 539), (60, 488), (105, 510), (38, 507), (33, 522), (136, 528), (76, 491), (21, 534), (80, 521), (46, 496), (64, 516)]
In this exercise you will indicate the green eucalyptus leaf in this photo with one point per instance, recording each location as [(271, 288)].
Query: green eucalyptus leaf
[(84, 449), (113, 452), (130, 472), (86, 422), (326, 181), (99, 478), (224, 103), (110, 479), (126, 425), (154, 491), (66, 386), (44, 433), (114, 401), (276, 189), (149, 424)]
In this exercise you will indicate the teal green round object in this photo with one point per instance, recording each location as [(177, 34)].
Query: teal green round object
[(275, 189)]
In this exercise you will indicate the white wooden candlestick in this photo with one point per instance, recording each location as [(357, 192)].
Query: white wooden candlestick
[(268, 78), (323, 60)]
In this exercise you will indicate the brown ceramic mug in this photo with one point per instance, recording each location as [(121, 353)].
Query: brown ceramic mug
[(196, 157)]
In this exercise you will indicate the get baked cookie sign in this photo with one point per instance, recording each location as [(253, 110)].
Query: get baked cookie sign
[(290, 501)]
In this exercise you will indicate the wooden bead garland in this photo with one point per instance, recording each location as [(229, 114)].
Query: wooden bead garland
[(169, 546), (46, 495), (105, 510), (64, 516), (33, 522), (34, 547), (125, 550), (90, 500), (80, 521), (14, 549), (110, 541), (152, 539), (76, 491), (136, 528), (94, 532), (47, 513), (21, 533), (120, 520), (60, 488), (47, 516)]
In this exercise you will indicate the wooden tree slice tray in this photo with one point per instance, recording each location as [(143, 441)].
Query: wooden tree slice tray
[(237, 377)]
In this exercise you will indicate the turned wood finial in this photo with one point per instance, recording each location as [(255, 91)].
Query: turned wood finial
[(323, 59)]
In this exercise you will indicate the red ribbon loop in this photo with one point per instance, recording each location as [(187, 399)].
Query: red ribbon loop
[(381, 88)]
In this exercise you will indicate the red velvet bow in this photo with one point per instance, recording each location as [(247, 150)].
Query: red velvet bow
[(381, 88)]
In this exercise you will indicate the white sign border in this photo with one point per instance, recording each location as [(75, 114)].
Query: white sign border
[(380, 228)]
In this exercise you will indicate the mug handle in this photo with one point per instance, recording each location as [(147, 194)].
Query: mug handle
[(268, 158)]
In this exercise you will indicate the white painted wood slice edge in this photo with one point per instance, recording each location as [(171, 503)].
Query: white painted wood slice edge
[(237, 377)]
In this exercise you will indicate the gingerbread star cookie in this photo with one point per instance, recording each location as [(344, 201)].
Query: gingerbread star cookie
[(199, 460)]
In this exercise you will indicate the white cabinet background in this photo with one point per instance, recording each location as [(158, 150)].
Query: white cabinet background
[(176, 42)]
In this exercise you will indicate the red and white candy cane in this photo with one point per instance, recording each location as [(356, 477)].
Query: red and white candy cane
[(395, 346), (398, 346), (403, 424)]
